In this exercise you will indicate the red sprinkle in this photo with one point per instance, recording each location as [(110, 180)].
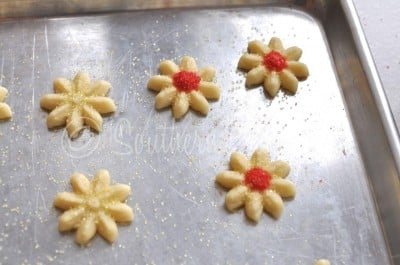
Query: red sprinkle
[(257, 179), (186, 81), (274, 61)]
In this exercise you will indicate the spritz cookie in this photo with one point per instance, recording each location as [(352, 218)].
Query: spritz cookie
[(78, 102), (273, 66), (93, 206), (184, 86), (256, 184)]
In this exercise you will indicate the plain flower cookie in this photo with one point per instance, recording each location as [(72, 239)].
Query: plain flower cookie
[(78, 102), (93, 206), (273, 66), (183, 86), (257, 184), (5, 111)]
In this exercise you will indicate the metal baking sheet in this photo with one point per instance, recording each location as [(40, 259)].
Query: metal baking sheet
[(333, 132)]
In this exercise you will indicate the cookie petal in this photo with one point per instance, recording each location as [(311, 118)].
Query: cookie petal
[(120, 212), (74, 123), (117, 192), (107, 227), (3, 93), (276, 44), (188, 64), (102, 104), (67, 200), (288, 81), (198, 102), (86, 230), (51, 101), (58, 116), (81, 81), (256, 76), (98, 88), (229, 179), (168, 67), (5, 111), (236, 197), (70, 219), (101, 181), (239, 162), (62, 85), (207, 73), (258, 47), (254, 206), (322, 262), (249, 61), (209, 90), (165, 97), (260, 158), (92, 118), (180, 105), (273, 203), (158, 82), (80, 183), (292, 53), (285, 188), (272, 83), (300, 70), (280, 169)]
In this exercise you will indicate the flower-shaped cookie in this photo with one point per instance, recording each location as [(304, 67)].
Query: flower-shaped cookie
[(77, 103), (93, 206), (257, 184), (5, 111), (184, 86), (273, 65)]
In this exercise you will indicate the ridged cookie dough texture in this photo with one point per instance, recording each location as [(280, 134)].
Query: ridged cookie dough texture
[(258, 184), (5, 111), (273, 66), (93, 206), (184, 86), (78, 102)]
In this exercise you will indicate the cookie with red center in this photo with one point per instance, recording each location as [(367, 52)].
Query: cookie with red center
[(184, 86), (273, 66), (257, 184)]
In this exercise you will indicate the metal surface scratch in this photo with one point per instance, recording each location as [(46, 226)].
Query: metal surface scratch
[(47, 46)]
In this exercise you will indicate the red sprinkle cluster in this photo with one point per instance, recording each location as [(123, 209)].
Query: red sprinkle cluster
[(186, 81), (274, 61), (257, 179)]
